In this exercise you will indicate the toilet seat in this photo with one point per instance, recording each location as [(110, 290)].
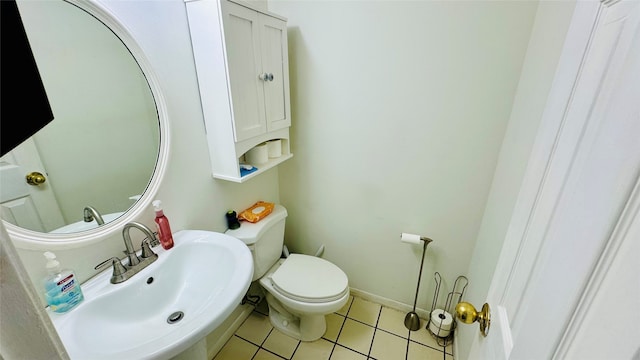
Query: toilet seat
[(310, 279)]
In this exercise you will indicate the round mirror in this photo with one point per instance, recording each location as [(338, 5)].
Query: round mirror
[(99, 162)]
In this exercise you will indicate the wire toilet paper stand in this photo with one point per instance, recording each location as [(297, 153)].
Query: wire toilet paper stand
[(453, 298)]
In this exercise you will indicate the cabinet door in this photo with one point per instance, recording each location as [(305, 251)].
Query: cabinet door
[(275, 63), (242, 43)]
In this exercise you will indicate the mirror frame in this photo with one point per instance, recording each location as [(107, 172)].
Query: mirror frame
[(33, 240)]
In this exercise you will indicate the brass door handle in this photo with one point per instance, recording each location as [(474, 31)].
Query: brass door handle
[(468, 314), (35, 178)]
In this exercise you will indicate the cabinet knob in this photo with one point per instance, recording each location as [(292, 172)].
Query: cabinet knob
[(266, 77)]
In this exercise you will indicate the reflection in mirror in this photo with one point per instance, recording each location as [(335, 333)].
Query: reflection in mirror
[(101, 149)]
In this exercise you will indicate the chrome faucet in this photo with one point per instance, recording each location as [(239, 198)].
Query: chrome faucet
[(91, 213), (135, 264)]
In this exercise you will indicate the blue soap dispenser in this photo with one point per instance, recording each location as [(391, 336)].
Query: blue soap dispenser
[(62, 289)]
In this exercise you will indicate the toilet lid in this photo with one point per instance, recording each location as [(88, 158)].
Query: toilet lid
[(309, 278)]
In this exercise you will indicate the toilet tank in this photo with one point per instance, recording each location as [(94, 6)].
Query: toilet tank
[(264, 238)]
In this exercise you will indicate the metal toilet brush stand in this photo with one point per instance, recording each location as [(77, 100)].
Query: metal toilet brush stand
[(412, 320)]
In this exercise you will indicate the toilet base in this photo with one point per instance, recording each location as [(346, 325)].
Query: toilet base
[(303, 328)]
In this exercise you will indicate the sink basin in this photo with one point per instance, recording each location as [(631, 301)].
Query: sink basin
[(204, 276), (82, 226)]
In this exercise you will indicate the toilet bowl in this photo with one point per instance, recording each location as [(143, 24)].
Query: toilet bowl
[(300, 289)]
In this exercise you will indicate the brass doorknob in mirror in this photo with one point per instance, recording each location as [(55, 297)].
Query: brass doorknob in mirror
[(468, 314), (35, 178)]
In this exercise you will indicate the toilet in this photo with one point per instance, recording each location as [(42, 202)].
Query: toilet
[(300, 289)]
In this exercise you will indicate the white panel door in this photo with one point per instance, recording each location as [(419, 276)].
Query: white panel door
[(28, 206), (579, 195)]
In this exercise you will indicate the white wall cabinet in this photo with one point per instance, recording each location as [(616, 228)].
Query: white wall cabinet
[(241, 60)]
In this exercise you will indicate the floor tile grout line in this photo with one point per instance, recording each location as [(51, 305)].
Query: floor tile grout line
[(255, 353), (271, 352), (348, 348), (296, 349), (341, 326), (375, 329), (429, 346), (238, 336), (263, 341), (361, 322), (394, 334)]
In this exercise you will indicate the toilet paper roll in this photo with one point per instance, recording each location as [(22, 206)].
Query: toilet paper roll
[(441, 323), (274, 148), (410, 238), (257, 155)]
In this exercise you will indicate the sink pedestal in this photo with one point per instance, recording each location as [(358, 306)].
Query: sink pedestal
[(196, 352)]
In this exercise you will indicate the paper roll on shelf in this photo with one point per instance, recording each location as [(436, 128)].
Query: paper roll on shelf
[(441, 323), (257, 155), (410, 238), (274, 148)]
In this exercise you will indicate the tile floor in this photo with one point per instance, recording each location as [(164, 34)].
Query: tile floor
[(360, 330)]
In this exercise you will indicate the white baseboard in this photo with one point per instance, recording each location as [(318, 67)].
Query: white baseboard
[(422, 313)]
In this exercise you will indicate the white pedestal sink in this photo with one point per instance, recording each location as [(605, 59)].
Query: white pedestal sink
[(166, 308)]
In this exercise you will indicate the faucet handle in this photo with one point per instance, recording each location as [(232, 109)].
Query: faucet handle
[(154, 241), (118, 268), (146, 249)]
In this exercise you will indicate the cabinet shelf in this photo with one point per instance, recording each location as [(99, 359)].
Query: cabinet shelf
[(261, 168)]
